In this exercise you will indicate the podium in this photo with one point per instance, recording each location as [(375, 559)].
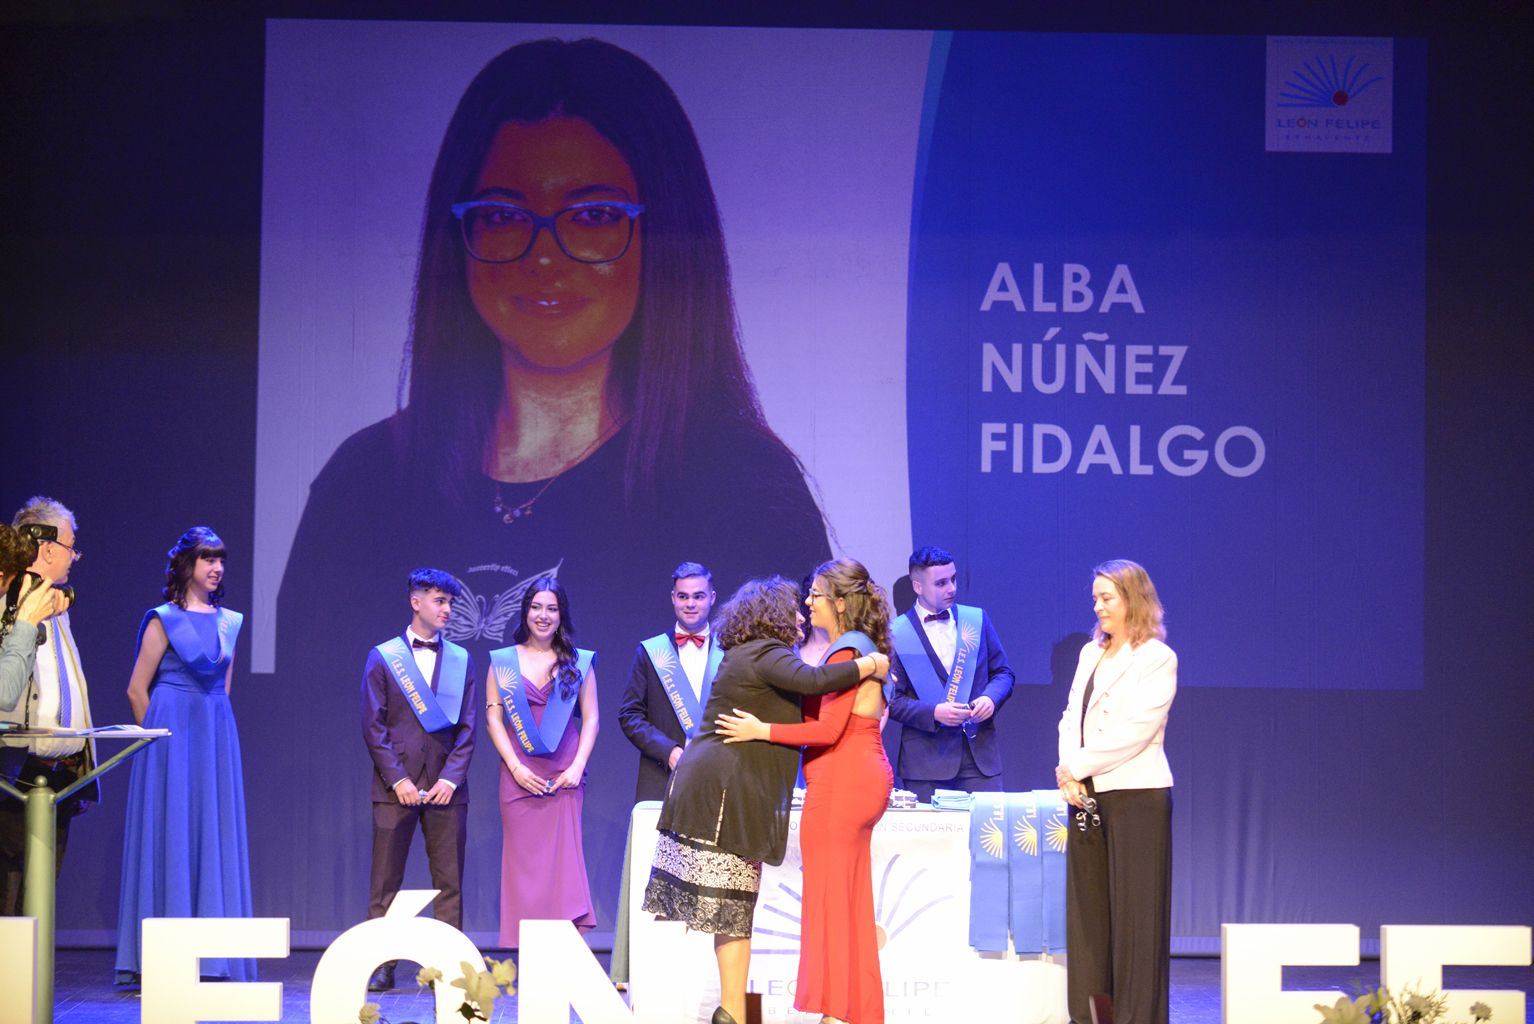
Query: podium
[(40, 876)]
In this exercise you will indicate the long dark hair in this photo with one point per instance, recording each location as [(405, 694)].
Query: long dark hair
[(677, 366), (198, 542), (565, 671)]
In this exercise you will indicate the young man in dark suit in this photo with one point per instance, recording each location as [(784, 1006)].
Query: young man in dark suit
[(669, 682), (419, 707), (949, 677)]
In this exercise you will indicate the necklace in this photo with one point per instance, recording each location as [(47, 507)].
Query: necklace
[(511, 513)]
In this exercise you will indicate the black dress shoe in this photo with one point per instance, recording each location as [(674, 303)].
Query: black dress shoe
[(383, 978), (722, 1016)]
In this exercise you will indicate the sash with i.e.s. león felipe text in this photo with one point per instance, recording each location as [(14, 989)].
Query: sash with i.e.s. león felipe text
[(540, 739), (925, 680), (687, 706), (435, 711)]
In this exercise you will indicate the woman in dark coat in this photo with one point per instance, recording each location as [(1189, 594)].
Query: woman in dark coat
[(727, 810)]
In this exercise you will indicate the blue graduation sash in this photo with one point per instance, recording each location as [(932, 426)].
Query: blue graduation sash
[(1026, 874), (1017, 871), (1053, 812), (988, 876), (687, 706), (435, 711), (851, 640), (538, 740), (184, 638), (929, 686)]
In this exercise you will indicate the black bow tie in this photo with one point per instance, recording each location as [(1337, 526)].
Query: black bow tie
[(433, 646), (941, 616)]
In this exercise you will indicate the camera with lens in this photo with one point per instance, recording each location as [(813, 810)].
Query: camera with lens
[(34, 535)]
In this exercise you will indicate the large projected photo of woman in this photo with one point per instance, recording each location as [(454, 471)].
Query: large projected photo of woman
[(575, 399), (578, 401)]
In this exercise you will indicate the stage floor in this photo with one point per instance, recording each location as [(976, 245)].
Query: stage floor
[(86, 994)]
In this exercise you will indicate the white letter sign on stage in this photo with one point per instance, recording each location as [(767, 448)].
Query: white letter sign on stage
[(1252, 959), (341, 977), (1415, 955), (18, 968), (172, 993), (558, 974)]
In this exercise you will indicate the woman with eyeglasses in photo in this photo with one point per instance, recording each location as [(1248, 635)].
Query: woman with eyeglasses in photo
[(848, 780), (1113, 770), (726, 813), (184, 841), (575, 393)]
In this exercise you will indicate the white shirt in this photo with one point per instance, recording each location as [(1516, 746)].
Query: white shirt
[(694, 659), (942, 634), (38, 708), (426, 661)]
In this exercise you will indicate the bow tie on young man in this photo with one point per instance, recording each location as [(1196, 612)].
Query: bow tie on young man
[(941, 616), (435, 646), (683, 639)]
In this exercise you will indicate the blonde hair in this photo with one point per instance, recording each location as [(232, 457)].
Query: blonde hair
[(1143, 614)]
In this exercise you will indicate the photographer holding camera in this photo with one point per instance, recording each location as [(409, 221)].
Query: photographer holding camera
[(32, 603), (54, 697)]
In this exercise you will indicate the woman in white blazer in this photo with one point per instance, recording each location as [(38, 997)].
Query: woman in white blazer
[(1113, 769)]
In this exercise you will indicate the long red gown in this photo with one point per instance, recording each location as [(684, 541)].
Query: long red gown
[(847, 787)]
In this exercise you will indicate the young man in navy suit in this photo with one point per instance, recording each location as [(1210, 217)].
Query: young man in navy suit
[(419, 707), (948, 677), (669, 682)]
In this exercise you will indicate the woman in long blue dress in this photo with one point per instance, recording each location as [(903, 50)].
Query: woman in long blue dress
[(184, 846)]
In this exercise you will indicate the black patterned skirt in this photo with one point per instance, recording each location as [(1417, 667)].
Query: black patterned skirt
[(704, 887)]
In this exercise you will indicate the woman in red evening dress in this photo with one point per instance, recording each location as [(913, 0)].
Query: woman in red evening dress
[(848, 782)]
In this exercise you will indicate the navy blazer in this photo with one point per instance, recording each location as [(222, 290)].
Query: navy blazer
[(933, 752), (646, 717), (401, 747)]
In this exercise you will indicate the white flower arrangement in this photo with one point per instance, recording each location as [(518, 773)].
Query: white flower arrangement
[(1407, 1006), (481, 988)]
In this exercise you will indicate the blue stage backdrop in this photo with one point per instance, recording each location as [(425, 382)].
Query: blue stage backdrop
[(1136, 331), (1043, 300)]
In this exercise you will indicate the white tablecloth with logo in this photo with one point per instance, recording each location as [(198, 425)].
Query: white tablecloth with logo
[(921, 903)]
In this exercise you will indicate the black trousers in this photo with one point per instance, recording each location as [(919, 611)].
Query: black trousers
[(1118, 907), (13, 827), (443, 829)]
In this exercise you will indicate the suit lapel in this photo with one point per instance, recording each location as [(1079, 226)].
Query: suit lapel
[(926, 644), (1109, 672)]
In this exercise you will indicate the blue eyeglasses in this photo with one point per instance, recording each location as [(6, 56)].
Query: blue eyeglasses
[(495, 231)]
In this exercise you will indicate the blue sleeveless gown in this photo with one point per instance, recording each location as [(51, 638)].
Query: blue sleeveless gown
[(184, 842)]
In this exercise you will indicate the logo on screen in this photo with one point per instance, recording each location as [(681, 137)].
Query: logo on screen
[(1329, 95), (1321, 82)]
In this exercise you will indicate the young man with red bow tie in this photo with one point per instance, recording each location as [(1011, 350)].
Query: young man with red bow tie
[(948, 677), (670, 680), (419, 707)]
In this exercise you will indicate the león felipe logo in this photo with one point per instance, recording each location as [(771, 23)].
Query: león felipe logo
[(1325, 83)]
